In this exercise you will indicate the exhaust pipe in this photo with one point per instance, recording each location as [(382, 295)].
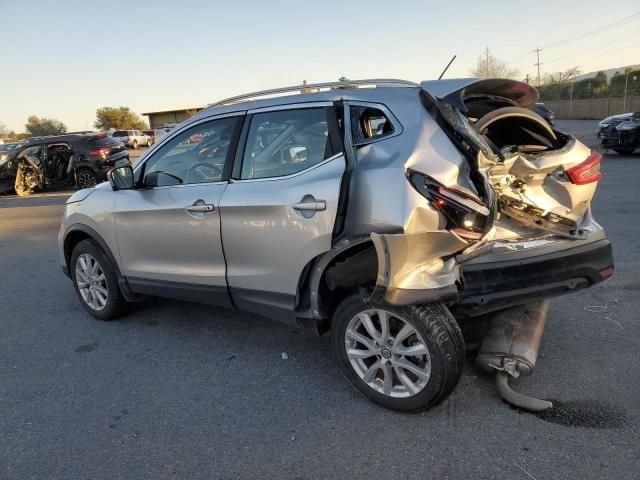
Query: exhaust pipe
[(511, 347)]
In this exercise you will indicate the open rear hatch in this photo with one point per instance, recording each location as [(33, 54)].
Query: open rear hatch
[(543, 179)]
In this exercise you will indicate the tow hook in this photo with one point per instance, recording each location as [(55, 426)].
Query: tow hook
[(511, 347)]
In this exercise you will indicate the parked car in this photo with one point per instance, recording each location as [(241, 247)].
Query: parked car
[(621, 133), (544, 111), (132, 138), (73, 159), (6, 149), (155, 134), (382, 215)]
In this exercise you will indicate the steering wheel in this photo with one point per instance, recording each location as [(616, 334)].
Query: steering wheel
[(203, 172)]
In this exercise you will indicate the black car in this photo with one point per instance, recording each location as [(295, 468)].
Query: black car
[(79, 159), (542, 110), (621, 133)]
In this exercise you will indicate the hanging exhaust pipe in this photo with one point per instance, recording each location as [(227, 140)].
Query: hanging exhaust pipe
[(511, 347)]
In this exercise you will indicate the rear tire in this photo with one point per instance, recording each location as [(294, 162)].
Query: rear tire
[(410, 373), (624, 151), (86, 178), (148, 143), (135, 144), (95, 281)]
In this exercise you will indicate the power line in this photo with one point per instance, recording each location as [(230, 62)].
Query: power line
[(615, 24), (618, 23)]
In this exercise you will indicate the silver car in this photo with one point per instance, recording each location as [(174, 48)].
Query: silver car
[(383, 211)]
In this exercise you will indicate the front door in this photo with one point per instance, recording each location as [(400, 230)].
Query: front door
[(168, 229), (278, 213)]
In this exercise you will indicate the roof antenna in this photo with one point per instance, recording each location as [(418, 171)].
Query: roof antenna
[(447, 67)]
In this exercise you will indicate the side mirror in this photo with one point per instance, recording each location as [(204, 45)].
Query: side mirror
[(121, 178)]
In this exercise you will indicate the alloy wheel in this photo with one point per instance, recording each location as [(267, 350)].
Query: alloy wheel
[(91, 282), (86, 180), (387, 353)]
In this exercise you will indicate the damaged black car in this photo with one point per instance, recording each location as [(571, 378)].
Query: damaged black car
[(620, 133), (79, 160)]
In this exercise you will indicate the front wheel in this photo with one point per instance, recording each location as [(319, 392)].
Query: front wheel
[(148, 143), (95, 281), (135, 144), (403, 358)]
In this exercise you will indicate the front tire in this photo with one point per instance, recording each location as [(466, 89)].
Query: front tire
[(403, 358), (148, 143), (95, 281), (135, 144)]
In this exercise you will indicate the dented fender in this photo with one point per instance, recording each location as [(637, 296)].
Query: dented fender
[(411, 268)]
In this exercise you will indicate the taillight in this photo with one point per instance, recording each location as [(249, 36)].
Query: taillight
[(466, 216), (100, 152), (587, 171)]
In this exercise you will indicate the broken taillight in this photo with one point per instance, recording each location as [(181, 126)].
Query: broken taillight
[(587, 171), (466, 216)]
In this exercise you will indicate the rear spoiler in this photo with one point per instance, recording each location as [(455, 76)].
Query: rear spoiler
[(455, 91)]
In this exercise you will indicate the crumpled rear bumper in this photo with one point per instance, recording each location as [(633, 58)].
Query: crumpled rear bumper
[(423, 268), (495, 285)]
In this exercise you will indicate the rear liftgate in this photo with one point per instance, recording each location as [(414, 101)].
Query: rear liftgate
[(537, 183)]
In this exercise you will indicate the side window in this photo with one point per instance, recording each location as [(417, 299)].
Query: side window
[(285, 142), (32, 153), (369, 124), (197, 155)]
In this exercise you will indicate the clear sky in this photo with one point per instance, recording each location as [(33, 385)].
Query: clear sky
[(64, 59)]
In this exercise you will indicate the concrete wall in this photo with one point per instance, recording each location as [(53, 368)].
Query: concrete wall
[(594, 108)]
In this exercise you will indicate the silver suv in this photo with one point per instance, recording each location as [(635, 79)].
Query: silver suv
[(133, 138), (380, 210)]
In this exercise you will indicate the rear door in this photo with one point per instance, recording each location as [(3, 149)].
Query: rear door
[(168, 230), (279, 210)]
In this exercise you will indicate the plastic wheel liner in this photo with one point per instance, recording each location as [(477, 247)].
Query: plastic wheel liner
[(535, 181)]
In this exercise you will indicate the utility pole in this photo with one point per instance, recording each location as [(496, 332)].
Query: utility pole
[(486, 52), (626, 82), (537, 64)]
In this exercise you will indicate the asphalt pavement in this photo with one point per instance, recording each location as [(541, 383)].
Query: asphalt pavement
[(180, 390)]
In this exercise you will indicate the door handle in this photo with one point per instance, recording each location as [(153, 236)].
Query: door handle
[(316, 206), (200, 207)]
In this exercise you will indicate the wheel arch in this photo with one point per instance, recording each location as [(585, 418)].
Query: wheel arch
[(319, 294), (78, 232)]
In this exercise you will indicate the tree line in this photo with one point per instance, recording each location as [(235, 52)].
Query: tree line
[(107, 118)]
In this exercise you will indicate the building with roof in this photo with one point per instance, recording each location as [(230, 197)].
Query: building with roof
[(170, 118)]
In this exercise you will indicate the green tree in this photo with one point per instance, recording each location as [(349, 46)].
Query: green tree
[(629, 77), (36, 126), (489, 66), (120, 118)]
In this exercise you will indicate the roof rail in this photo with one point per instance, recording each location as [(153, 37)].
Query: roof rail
[(304, 88)]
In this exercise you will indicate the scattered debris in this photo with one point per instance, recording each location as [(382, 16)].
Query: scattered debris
[(284, 356), (233, 356), (604, 309), (524, 471)]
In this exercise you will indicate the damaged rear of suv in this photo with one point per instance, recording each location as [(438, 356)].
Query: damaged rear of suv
[(383, 214)]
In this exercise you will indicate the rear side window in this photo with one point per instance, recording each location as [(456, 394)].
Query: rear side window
[(368, 124), (103, 142), (285, 142), (120, 133)]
